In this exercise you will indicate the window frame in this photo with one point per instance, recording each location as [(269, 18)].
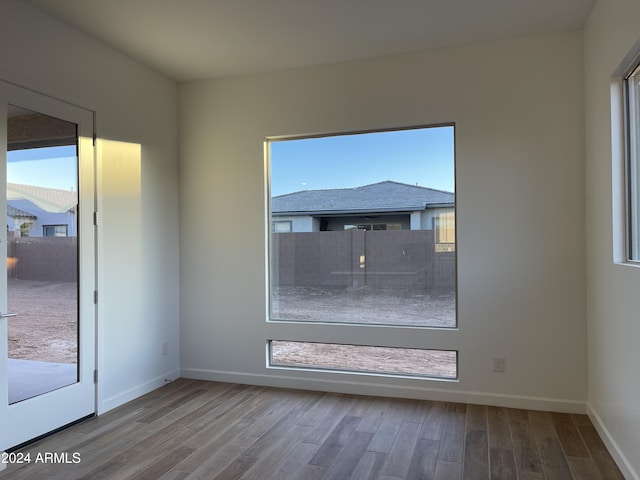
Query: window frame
[(322, 331), (55, 226), (270, 219), (281, 222), (273, 363), (631, 127)]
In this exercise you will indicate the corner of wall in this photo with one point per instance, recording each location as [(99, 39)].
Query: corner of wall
[(614, 449)]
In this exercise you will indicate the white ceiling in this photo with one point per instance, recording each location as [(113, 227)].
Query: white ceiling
[(203, 39)]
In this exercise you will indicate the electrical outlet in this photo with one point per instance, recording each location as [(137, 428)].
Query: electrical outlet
[(165, 348), (498, 364)]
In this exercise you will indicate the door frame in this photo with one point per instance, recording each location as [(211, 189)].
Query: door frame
[(32, 418)]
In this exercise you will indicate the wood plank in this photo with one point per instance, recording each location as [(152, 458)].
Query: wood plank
[(332, 417), (317, 414), (581, 420), (448, 471), (434, 421), (374, 415), (335, 442), (525, 448), (280, 429), (499, 428), (164, 464), (385, 436), (349, 457), (570, 439), (584, 468), (305, 400), (530, 476), (501, 452), (272, 455), (477, 417), (174, 475), (312, 472), (223, 440), (261, 405), (599, 453), (359, 406), (424, 460), (273, 415), (399, 458), (554, 462), (236, 469), (221, 448), (502, 464), (369, 466), (453, 437), (476, 455), (292, 465), (417, 411)]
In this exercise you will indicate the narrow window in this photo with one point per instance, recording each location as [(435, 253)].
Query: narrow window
[(366, 359), (25, 228), (632, 100)]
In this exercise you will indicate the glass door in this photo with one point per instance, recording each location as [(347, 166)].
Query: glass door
[(47, 314)]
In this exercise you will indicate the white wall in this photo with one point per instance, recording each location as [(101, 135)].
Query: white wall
[(518, 109), (136, 111), (613, 302)]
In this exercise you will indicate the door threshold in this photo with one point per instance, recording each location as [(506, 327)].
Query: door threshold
[(48, 434)]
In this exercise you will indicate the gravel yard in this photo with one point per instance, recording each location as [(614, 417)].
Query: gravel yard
[(364, 305), (46, 326)]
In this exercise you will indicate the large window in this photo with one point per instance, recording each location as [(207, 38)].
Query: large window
[(370, 231), (632, 100)]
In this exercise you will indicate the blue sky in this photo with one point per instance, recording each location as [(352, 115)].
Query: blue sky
[(52, 167), (424, 156)]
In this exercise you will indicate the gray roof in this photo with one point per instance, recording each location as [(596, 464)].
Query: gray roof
[(387, 196), (48, 199)]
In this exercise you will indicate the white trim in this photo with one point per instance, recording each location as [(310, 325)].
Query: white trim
[(355, 387), (135, 392), (46, 90), (614, 449)]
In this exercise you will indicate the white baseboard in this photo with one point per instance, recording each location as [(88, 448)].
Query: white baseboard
[(110, 403), (359, 387), (614, 449)]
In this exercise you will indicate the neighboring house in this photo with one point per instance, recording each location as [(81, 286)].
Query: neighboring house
[(34, 211), (385, 205)]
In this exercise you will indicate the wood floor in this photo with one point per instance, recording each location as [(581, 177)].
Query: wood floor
[(206, 430)]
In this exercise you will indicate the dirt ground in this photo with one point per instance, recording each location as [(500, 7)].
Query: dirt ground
[(364, 305), (432, 363), (46, 326)]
